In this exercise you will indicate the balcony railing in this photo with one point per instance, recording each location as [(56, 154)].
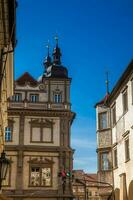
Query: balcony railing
[(39, 105)]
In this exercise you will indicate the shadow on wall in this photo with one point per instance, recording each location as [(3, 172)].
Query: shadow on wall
[(130, 191), (117, 194)]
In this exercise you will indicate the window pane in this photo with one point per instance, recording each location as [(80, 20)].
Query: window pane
[(127, 153), (57, 98), (114, 115), (8, 135), (103, 120), (105, 162), (17, 97), (46, 176), (34, 97), (115, 157), (35, 176), (47, 135), (125, 102), (36, 134)]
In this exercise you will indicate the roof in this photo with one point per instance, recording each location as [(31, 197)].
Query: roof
[(91, 177), (103, 101), (26, 78), (122, 80)]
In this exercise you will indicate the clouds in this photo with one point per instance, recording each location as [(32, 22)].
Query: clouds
[(88, 164), (83, 143)]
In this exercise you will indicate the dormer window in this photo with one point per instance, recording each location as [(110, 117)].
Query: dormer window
[(34, 97), (57, 98), (17, 97)]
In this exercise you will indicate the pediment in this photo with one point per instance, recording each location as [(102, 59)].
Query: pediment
[(42, 122), (41, 160)]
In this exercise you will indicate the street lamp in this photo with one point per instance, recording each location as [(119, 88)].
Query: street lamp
[(4, 164)]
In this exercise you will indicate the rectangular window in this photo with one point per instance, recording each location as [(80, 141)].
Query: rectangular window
[(115, 158), (89, 193), (127, 150), (40, 176), (125, 101), (114, 115), (34, 97), (103, 120), (104, 161), (17, 97), (57, 98), (8, 134)]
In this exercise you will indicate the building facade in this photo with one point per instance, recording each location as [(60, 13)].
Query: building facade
[(38, 137), (85, 186), (7, 44), (119, 111)]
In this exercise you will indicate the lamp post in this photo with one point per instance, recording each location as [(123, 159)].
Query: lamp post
[(4, 164)]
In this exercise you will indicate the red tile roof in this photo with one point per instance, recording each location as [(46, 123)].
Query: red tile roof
[(26, 78)]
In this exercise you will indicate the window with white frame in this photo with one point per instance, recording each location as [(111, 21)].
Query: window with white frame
[(17, 97), (57, 98), (8, 134), (40, 175), (34, 97), (103, 120)]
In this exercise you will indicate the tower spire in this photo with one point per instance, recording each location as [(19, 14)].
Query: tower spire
[(56, 39), (47, 61), (56, 53)]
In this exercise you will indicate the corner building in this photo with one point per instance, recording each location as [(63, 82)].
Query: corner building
[(115, 136), (38, 137)]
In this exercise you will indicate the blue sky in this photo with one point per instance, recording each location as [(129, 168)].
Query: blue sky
[(94, 36)]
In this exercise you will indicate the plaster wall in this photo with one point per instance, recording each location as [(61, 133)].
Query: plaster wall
[(124, 124)]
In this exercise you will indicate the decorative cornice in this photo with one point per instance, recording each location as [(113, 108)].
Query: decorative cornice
[(36, 148)]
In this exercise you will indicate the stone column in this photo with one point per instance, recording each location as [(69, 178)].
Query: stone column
[(123, 187)]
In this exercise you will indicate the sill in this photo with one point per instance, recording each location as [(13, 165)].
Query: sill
[(40, 186), (116, 167), (103, 129), (47, 142), (127, 160)]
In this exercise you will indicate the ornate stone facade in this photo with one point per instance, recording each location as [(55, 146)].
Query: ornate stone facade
[(39, 148), (7, 44)]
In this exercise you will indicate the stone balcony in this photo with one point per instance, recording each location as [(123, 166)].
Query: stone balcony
[(39, 105)]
